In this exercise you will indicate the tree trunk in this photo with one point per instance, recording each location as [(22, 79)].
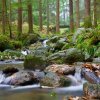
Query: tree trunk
[(9, 22), (3, 16), (71, 15), (88, 22), (48, 16), (30, 16), (95, 13), (40, 15), (57, 16), (19, 18), (77, 14)]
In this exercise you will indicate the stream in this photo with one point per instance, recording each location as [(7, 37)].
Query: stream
[(35, 92)]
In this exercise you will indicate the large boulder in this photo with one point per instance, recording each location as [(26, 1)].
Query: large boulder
[(34, 62), (61, 69), (53, 80), (21, 78)]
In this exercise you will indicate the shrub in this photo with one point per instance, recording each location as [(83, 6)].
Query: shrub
[(4, 42), (16, 44)]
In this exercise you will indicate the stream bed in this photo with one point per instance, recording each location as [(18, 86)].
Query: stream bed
[(35, 92)]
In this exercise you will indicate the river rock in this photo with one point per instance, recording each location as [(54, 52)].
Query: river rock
[(53, 80), (91, 72), (92, 90), (21, 78), (9, 71), (61, 69)]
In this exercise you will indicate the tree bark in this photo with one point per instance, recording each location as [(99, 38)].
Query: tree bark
[(40, 15), (3, 16), (88, 22), (48, 18), (77, 14), (30, 16), (71, 15), (95, 13), (57, 16), (19, 18), (9, 22)]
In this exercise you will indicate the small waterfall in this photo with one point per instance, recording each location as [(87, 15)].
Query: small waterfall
[(2, 77), (45, 43), (78, 74), (25, 52)]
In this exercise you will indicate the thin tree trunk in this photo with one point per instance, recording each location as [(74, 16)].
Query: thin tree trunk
[(40, 15), (88, 22), (71, 15), (95, 13), (48, 16), (9, 20), (19, 18), (3, 16), (30, 16), (57, 16), (77, 14)]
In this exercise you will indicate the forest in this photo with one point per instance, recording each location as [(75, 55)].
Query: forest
[(50, 49)]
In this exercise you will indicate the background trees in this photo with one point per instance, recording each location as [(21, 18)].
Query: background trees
[(51, 14)]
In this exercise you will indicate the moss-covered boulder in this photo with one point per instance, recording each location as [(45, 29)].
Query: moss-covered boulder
[(30, 39), (67, 56), (34, 62), (73, 55), (53, 80)]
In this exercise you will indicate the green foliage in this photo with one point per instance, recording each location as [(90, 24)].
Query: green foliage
[(88, 42), (4, 43), (10, 54), (16, 44)]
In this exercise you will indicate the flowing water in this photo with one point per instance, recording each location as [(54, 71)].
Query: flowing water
[(34, 92)]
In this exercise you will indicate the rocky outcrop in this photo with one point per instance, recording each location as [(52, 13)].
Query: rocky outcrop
[(61, 69)]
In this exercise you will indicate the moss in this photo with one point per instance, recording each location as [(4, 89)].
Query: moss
[(34, 62), (65, 81)]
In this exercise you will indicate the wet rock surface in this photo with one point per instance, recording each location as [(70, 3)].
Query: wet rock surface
[(53, 80), (61, 69), (21, 78), (91, 72)]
